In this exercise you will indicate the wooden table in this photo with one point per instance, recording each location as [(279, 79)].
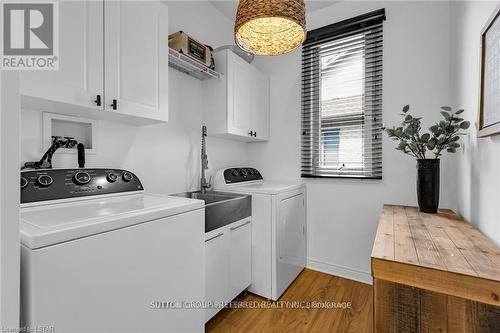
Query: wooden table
[(433, 273)]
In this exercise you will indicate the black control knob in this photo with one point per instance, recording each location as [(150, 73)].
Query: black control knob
[(24, 182), (251, 172), (235, 173), (44, 180), (112, 177), (244, 172), (127, 176), (81, 178)]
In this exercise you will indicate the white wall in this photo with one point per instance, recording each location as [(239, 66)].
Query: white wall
[(478, 164), (9, 200), (165, 157), (343, 214)]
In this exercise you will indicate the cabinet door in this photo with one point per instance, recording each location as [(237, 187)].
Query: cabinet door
[(239, 96), (216, 271), (240, 263), (136, 58), (260, 105), (80, 76)]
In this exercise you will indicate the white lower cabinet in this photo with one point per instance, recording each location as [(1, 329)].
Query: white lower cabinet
[(228, 264), (216, 269), (240, 258)]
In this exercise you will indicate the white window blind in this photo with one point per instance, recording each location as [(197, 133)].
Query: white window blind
[(342, 99)]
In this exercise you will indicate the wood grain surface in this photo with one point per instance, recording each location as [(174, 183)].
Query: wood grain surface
[(309, 286), (439, 252), (433, 273)]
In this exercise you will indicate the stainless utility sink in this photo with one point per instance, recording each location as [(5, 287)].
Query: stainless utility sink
[(221, 208)]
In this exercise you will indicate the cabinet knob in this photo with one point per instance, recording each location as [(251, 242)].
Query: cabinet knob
[(98, 100), (114, 105)]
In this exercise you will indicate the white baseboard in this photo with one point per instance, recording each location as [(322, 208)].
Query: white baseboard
[(342, 271)]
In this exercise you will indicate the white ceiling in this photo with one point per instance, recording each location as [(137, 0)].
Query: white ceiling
[(229, 7)]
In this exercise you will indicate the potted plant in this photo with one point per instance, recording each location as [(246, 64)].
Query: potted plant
[(443, 136)]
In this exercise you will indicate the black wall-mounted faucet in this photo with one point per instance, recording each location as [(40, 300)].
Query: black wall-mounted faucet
[(46, 160), (81, 155)]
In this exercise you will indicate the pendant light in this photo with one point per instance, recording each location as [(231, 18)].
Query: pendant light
[(270, 27)]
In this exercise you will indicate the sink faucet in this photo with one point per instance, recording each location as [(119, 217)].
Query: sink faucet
[(204, 161)]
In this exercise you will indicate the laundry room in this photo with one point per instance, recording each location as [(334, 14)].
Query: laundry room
[(249, 166)]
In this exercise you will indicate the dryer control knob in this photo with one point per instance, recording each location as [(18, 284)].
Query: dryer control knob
[(81, 178), (44, 180), (127, 176), (112, 177), (24, 182)]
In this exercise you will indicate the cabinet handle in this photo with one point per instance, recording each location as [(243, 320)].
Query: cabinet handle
[(98, 100), (250, 133), (255, 134), (216, 236), (241, 225), (114, 105)]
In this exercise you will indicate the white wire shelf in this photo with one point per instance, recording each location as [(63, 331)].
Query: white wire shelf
[(189, 66)]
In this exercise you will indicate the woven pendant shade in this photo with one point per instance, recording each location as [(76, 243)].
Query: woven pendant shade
[(270, 27)]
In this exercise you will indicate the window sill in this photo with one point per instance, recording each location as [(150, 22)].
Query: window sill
[(341, 177)]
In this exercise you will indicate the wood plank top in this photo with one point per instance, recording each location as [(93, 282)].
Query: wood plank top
[(434, 250)]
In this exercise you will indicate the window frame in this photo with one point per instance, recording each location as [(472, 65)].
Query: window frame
[(312, 135)]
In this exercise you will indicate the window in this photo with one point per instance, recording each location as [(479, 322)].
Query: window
[(342, 99)]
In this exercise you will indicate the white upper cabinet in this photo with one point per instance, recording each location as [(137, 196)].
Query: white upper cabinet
[(237, 105), (239, 86), (136, 58), (80, 76), (260, 104), (113, 58)]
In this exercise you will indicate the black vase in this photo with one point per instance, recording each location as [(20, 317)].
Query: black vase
[(428, 185)]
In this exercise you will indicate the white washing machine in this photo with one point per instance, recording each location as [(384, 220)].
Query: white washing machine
[(100, 255), (278, 228)]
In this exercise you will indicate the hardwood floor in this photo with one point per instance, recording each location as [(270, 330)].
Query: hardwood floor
[(310, 286)]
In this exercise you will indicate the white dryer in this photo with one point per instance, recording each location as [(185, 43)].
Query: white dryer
[(278, 228), (100, 255)]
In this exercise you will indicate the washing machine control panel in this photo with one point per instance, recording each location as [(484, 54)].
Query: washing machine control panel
[(55, 184), (238, 175)]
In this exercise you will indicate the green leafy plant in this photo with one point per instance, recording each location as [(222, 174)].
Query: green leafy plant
[(443, 136)]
